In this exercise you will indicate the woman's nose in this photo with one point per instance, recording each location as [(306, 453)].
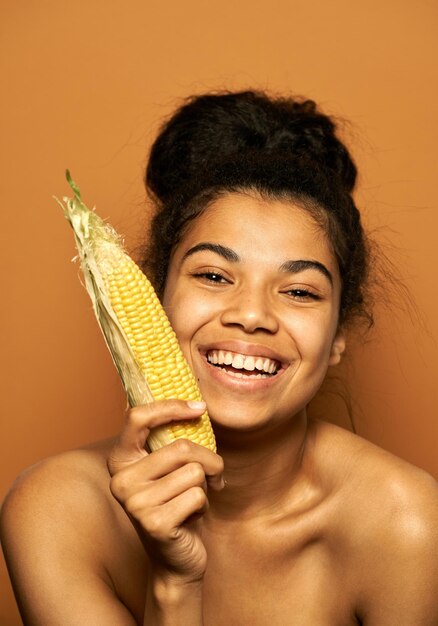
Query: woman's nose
[(251, 311)]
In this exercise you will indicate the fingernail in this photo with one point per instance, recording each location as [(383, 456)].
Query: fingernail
[(217, 483), (193, 404)]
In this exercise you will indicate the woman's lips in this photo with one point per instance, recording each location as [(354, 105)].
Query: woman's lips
[(245, 349), (238, 361), (240, 365)]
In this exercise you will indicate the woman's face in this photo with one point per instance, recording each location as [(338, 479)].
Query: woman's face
[(253, 295)]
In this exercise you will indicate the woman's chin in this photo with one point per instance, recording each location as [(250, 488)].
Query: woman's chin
[(239, 425)]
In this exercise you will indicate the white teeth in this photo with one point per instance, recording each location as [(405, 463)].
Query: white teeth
[(249, 363), (241, 361), (238, 361), (266, 365), (240, 375), (228, 358)]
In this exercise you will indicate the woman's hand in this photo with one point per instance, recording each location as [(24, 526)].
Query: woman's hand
[(164, 493)]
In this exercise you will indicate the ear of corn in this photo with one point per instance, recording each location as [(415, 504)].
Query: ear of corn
[(139, 336)]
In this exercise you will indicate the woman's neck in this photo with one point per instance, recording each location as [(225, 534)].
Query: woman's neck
[(263, 470)]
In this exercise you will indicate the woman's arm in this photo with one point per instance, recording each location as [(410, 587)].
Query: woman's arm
[(164, 494), (399, 583), (52, 550), (60, 526)]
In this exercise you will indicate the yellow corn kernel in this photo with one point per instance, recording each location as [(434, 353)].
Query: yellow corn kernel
[(137, 331)]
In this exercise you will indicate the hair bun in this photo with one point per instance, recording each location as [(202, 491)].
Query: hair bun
[(211, 129)]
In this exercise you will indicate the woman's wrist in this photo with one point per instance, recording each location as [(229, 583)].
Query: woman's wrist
[(174, 600), (171, 590)]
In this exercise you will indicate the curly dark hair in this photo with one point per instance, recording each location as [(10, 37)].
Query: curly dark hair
[(280, 148)]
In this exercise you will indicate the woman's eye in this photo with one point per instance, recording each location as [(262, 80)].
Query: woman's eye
[(212, 277), (302, 294)]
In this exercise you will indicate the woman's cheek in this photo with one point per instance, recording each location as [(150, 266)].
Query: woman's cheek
[(188, 314), (312, 335)]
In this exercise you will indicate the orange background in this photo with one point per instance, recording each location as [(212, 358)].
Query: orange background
[(85, 85)]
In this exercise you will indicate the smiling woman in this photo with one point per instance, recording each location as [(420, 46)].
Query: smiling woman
[(249, 299), (259, 257)]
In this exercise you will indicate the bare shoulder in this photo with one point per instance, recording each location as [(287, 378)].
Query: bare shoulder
[(380, 484), (60, 497), (58, 528), (60, 481), (388, 517)]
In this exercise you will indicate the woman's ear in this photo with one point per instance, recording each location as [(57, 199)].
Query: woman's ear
[(338, 348)]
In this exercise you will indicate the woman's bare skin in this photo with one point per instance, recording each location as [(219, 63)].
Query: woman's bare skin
[(314, 526), (358, 551)]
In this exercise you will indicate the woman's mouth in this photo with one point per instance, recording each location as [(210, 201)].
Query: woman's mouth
[(243, 365)]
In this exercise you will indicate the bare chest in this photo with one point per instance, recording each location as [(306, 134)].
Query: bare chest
[(257, 580), (278, 581)]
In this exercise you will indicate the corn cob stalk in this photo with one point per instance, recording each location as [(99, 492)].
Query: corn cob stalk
[(139, 336)]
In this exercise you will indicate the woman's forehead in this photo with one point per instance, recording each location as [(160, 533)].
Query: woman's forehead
[(249, 223)]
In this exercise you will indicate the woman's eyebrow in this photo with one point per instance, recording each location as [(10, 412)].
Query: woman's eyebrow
[(288, 266), (223, 251), (304, 264)]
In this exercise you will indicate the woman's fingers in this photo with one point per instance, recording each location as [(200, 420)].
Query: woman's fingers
[(165, 491), (161, 522), (163, 474), (181, 452), (129, 447), (158, 492), (170, 517), (182, 479)]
